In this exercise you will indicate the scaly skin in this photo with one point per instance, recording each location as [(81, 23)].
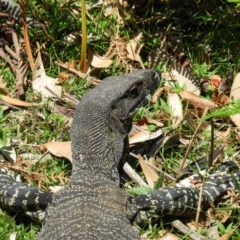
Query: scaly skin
[(92, 206)]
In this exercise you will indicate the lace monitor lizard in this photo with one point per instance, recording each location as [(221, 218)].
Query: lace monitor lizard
[(92, 206)]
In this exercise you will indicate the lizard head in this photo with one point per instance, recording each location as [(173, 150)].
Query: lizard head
[(103, 119)]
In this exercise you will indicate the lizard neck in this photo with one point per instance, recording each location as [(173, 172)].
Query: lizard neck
[(97, 143)]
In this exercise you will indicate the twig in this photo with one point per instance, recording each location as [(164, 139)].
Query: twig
[(25, 34), (191, 143), (199, 202), (90, 79), (11, 52), (211, 157), (184, 229), (133, 175), (158, 169), (10, 105)]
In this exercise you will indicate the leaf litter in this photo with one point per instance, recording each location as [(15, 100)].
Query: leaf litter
[(127, 51)]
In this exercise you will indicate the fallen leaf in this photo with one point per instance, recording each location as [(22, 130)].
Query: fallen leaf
[(144, 136), (157, 95), (41, 80), (169, 236), (63, 77), (17, 102), (215, 81), (60, 149), (146, 120), (150, 175), (226, 235), (175, 106), (234, 95), (134, 47), (3, 89), (98, 61), (8, 152), (54, 189), (196, 100)]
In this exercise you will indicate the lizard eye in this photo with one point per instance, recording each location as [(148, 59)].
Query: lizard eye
[(134, 92)]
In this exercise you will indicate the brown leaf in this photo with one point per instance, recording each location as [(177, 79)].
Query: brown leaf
[(60, 149), (3, 89), (18, 102), (157, 95), (134, 47), (146, 120), (215, 81), (150, 175), (226, 235), (196, 100)]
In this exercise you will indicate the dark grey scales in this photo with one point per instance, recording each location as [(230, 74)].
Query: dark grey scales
[(13, 9), (92, 206)]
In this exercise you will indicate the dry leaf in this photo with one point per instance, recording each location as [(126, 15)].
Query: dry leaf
[(134, 47), (98, 61), (144, 136), (175, 106), (196, 100), (9, 152), (3, 89), (17, 102), (150, 175), (60, 149), (63, 77), (157, 95), (215, 81), (146, 120), (234, 95), (41, 80), (226, 235), (169, 236)]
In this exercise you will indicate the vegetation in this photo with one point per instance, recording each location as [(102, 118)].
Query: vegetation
[(201, 35)]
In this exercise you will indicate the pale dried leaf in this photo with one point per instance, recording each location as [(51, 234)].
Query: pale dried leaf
[(3, 89), (17, 102), (196, 100), (150, 175), (60, 149), (234, 95), (212, 231), (99, 62), (13, 236), (153, 121), (112, 9), (134, 47), (144, 136), (41, 80), (175, 107), (169, 236), (8, 152), (54, 189)]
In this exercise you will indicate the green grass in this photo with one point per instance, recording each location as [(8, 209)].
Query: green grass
[(206, 31)]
